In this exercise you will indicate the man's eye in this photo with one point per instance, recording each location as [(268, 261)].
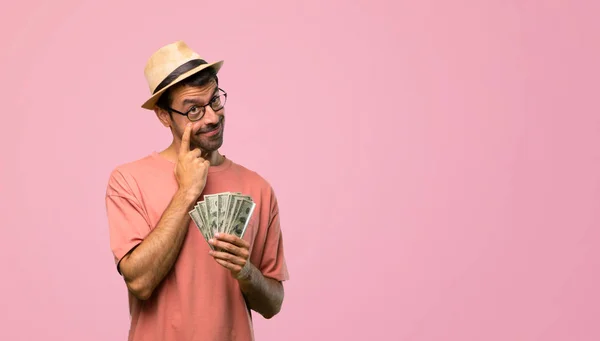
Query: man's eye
[(194, 110)]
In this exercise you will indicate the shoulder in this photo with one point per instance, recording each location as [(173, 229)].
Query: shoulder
[(124, 177), (258, 184), (252, 177)]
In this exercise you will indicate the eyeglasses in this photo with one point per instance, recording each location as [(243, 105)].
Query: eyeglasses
[(196, 112)]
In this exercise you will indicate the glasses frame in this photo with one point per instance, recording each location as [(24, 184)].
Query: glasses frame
[(186, 114)]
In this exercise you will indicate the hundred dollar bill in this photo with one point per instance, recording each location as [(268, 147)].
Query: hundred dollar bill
[(195, 215), (231, 212), (205, 218), (227, 212), (198, 216), (223, 204), (240, 199), (212, 205), (240, 221)]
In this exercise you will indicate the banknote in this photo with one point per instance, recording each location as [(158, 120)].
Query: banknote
[(226, 212), (237, 205), (205, 217), (240, 222), (222, 205), (212, 205), (196, 217)]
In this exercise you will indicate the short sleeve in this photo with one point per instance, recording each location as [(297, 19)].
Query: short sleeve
[(127, 221), (273, 263)]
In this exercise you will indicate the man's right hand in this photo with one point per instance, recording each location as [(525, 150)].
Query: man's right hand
[(145, 266), (191, 169)]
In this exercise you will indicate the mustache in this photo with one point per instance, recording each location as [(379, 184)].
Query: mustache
[(211, 127)]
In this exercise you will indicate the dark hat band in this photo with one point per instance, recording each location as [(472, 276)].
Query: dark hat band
[(178, 72)]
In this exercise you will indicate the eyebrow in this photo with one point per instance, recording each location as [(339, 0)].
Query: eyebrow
[(195, 101)]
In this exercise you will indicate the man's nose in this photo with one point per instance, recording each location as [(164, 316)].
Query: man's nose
[(210, 116)]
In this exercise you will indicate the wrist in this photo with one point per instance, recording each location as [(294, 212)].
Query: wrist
[(187, 197), (247, 273)]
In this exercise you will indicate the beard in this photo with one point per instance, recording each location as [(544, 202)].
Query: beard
[(207, 144)]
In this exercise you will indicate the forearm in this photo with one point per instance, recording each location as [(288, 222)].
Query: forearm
[(264, 295), (147, 265)]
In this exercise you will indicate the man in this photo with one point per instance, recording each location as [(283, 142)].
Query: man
[(179, 287)]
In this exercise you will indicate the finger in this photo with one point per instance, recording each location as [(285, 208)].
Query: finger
[(197, 153), (228, 257), (225, 246), (229, 266), (185, 140), (233, 240), (230, 248)]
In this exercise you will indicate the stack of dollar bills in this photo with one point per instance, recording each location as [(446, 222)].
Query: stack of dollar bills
[(227, 212)]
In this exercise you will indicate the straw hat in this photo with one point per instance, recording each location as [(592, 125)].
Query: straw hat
[(171, 64)]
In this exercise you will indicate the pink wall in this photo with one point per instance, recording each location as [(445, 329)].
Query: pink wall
[(437, 162)]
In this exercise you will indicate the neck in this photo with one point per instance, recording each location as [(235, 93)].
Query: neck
[(171, 153)]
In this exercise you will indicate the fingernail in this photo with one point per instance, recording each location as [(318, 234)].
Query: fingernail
[(217, 235)]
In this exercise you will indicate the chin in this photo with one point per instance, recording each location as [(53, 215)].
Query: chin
[(210, 146)]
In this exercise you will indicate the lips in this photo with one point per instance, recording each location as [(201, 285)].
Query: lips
[(213, 131)]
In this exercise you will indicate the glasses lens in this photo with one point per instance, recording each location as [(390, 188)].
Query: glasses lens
[(218, 101), (196, 113)]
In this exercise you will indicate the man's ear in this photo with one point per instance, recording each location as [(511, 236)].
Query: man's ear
[(163, 116)]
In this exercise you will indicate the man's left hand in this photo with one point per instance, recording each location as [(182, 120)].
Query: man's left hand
[(232, 253)]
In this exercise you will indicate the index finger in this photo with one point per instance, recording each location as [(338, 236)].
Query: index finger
[(185, 139), (239, 242)]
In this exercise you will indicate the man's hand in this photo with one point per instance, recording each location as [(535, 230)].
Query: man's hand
[(191, 169), (145, 266), (263, 294), (232, 253)]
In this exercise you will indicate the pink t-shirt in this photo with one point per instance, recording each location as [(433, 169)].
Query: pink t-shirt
[(198, 299)]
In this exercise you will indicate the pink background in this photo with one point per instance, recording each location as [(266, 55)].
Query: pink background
[(437, 162)]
